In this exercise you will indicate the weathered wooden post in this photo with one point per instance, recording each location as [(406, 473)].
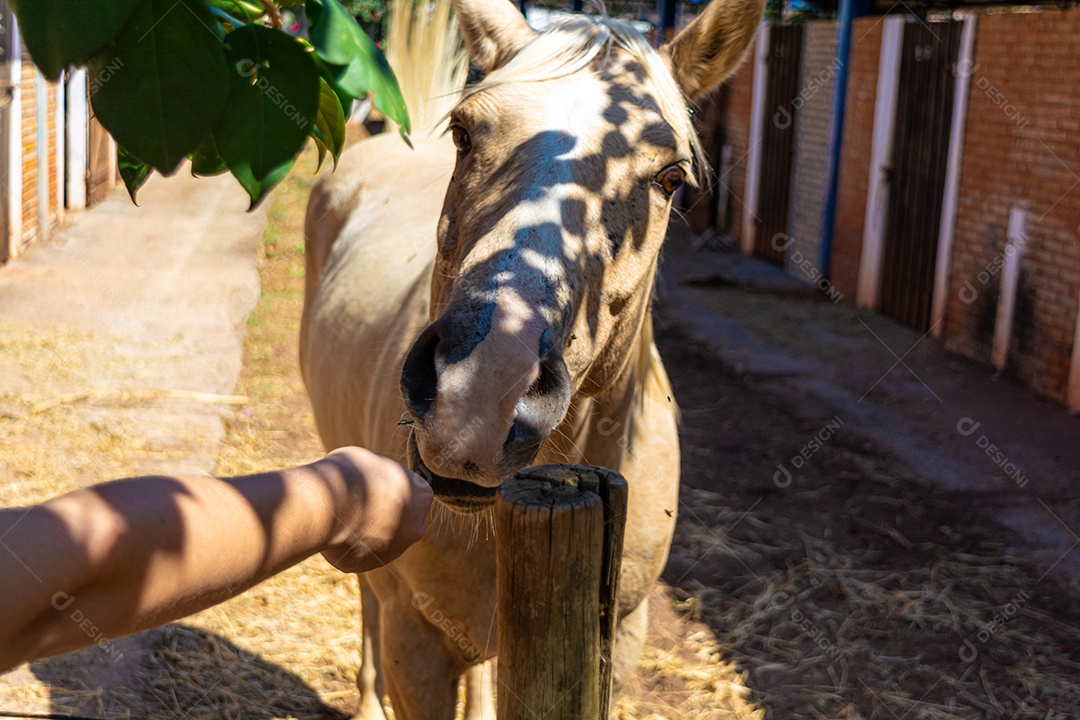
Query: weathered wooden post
[(560, 535)]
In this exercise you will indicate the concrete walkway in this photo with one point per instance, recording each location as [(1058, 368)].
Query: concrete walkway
[(950, 422), (151, 300)]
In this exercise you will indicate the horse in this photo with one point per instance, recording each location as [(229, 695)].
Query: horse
[(482, 302)]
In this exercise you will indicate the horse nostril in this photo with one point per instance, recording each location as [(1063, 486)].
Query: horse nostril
[(543, 406), (552, 380), (419, 376)]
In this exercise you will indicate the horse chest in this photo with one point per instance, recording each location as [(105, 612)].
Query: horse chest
[(450, 579)]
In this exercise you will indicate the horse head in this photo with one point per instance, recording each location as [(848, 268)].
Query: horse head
[(570, 147)]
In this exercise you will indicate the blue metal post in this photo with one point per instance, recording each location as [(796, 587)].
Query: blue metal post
[(849, 10), (666, 10), (578, 5)]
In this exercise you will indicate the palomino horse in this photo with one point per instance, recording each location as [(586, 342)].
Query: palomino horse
[(493, 286)]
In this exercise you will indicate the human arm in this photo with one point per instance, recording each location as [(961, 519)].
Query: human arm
[(132, 554)]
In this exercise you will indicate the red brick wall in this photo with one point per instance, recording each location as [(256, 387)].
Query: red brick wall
[(30, 166), (739, 94), (855, 154), (699, 204), (28, 89), (1021, 149), (53, 147)]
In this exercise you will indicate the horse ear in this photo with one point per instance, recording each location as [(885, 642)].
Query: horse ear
[(494, 31), (709, 50)]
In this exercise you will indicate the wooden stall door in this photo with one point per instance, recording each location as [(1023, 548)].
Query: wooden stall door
[(924, 111), (778, 139), (101, 163)]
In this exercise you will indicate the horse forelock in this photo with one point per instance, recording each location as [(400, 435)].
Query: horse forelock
[(575, 43)]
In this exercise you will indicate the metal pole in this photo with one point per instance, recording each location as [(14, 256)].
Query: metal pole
[(849, 10), (666, 10), (578, 5)]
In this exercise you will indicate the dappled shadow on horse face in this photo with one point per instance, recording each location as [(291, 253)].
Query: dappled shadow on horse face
[(548, 242)]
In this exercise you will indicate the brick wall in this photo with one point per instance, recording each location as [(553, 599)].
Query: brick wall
[(28, 87), (855, 154), (738, 97), (811, 150), (54, 145), (699, 204), (1021, 150), (17, 239)]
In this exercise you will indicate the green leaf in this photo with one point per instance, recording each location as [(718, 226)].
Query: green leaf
[(258, 187), (321, 147), (330, 122), (271, 109), (329, 73), (133, 170), (206, 161), (240, 9), (356, 64), (60, 33), (334, 32), (167, 81)]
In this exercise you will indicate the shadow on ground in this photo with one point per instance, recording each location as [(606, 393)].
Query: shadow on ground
[(178, 671)]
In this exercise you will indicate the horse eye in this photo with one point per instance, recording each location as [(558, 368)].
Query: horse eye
[(461, 139), (671, 178)]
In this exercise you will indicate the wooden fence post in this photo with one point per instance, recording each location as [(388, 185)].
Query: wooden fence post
[(560, 535)]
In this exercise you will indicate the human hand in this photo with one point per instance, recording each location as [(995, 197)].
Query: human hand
[(385, 510)]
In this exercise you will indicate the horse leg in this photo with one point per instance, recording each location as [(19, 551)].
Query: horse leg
[(370, 679), (421, 673), (629, 639), (479, 699)]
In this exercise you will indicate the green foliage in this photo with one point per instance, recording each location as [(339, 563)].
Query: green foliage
[(209, 80), (168, 85), (367, 11), (352, 59)]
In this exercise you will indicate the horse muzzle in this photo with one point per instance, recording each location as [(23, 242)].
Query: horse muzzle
[(460, 496)]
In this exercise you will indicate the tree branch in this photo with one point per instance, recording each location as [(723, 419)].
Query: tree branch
[(274, 13)]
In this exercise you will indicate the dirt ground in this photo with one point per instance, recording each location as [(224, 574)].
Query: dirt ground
[(846, 582), (852, 589)]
